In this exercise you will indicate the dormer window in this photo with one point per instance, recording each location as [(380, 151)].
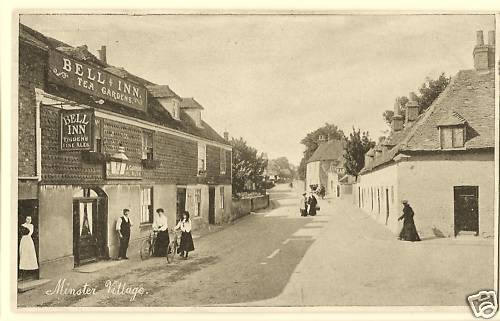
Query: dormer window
[(175, 109), (452, 131), (452, 136)]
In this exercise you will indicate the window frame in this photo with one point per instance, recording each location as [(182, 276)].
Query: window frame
[(451, 130), (202, 161), (98, 136), (197, 202), (147, 208), (223, 162), (147, 149)]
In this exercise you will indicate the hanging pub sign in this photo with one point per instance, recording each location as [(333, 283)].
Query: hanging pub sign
[(94, 81), (77, 127)]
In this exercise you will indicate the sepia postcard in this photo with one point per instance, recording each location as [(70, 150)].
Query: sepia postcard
[(254, 161)]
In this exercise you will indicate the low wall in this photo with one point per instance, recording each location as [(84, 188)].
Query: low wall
[(244, 206)]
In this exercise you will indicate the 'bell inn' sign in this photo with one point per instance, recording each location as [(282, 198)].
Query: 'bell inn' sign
[(77, 126), (95, 81)]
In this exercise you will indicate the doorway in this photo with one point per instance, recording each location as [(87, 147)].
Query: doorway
[(89, 226), (181, 203), (28, 207), (466, 209), (211, 205)]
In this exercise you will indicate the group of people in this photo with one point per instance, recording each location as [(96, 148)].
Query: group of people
[(308, 204), (160, 226)]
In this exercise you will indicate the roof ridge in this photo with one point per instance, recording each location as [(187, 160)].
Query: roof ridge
[(427, 113)]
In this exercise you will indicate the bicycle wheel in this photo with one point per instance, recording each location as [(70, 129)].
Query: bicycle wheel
[(145, 249), (170, 252)]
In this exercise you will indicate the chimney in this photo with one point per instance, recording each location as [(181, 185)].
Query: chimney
[(411, 111), (397, 119), (102, 54), (226, 136), (484, 55), (321, 139)]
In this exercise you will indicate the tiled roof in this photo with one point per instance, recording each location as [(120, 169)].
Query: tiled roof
[(469, 99), (331, 150), (190, 103), (161, 91), (155, 112)]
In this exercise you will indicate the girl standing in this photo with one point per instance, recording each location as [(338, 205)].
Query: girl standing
[(27, 253), (186, 239)]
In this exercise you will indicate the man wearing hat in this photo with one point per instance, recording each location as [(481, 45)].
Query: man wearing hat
[(303, 204), (409, 231)]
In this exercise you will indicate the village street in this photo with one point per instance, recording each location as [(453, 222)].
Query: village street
[(277, 258)]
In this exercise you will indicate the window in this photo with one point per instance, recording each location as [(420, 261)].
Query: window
[(175, 109), (147, 145), (146, 205), (98, 136), (197, 202), (222, 161), (202, 158), (222, 197), (452, 137)]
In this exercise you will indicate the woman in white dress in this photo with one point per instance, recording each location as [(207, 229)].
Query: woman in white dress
[(27, 253)]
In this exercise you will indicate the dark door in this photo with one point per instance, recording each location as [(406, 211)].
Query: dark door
[(85, 231), (466, 209), (181, 203), (211, 205), (386, 206), (28, 208)]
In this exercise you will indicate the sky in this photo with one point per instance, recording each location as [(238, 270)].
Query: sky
[(271, 79)]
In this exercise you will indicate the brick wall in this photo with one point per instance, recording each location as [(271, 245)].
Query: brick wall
[(31, 75)]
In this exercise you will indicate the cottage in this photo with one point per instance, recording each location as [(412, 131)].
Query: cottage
[(442, 160), (95, 139), (326, 168)]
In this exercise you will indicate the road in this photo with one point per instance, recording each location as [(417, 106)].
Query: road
[(277, 258)]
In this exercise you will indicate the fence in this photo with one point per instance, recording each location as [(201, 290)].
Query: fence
[(244, 206)]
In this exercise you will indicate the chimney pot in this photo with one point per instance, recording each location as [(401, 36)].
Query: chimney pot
[(491, 37), (479, 38), (411, 111), (102, 54), (226, 135)]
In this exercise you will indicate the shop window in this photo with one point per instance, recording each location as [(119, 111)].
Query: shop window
[(197, 202), (202, 158), (452, 137), (147, 145), (98, 133), (222, 161), (147, 205), (222, 197)]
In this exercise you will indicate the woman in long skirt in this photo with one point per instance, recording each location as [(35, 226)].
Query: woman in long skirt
[(162, 239), (312, 202), (27, 253), (187, 244), (409, 231)]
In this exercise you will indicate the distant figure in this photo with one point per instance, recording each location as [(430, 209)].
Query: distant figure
[(303, 204), (123, 225), (409, 231), (312, 202), (322, 192), (160, 225), (27, 253), (186, 245)]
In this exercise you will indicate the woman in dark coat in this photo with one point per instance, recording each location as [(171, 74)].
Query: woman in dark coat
[(312, 202), (186, 245), (409, 231)]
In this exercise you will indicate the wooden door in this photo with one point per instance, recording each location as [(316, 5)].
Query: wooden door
[(466, 209), (211, 205), (85, 231)]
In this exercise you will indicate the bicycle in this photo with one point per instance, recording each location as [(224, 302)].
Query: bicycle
[(173, 246), (148, 245)]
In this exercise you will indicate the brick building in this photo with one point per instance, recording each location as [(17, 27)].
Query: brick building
[(441, 160), (95, 139)]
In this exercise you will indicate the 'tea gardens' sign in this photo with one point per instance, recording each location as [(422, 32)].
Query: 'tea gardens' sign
[(97, 82), (77, 128)]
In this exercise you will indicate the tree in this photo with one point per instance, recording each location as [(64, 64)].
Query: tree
[(428, 92), (248, 166), (355, 149), (282, 167), (311, 142)]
